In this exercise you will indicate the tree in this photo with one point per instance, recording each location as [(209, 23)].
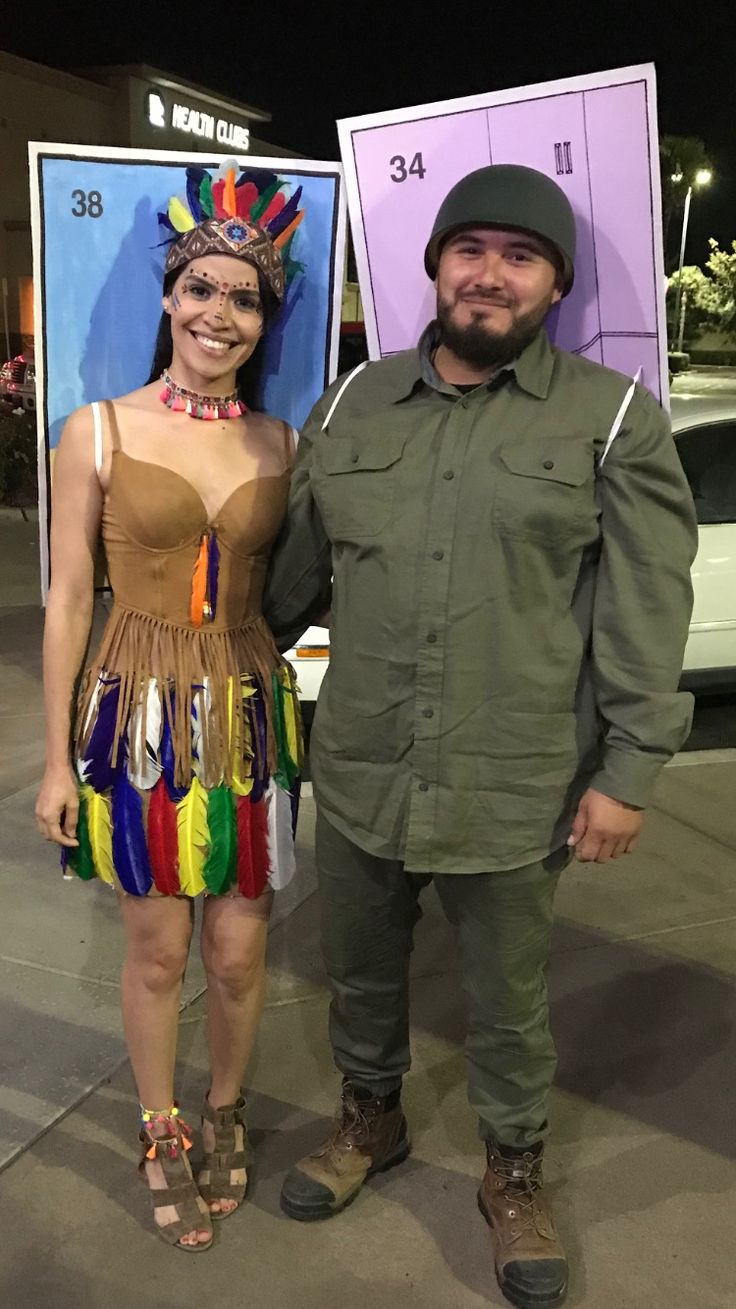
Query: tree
[(709, 297), (718, 295), (681, 157)]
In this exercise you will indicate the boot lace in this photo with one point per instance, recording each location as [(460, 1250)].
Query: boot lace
[(522, 1177)]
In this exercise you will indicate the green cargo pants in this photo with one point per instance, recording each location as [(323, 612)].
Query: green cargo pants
[(369, 908)]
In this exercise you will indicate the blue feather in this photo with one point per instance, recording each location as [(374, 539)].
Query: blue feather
[(281, 220), (176, 793), (257, 723), (129, 848), (194, 181), (260, 178), (96, 767)]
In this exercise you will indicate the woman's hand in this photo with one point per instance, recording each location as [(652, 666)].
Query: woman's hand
[(57, 806)]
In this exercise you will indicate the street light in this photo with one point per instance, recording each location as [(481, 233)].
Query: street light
[(703, 177)]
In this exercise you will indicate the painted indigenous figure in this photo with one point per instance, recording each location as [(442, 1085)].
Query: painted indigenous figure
[(183, 779)]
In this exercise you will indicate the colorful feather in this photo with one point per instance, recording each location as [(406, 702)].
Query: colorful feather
[(176, 793), (281, 858), (144, 739), (193, 838), (179, 215), (195, 177), (96, 768), (199, 583), (264, 200), (80, 857), (99, 825), (129, 849), (252, 867), (256, 716), (213, 573), (163, 840), (237, 730), (288, 232), (206, 198), (245, 197), (287, 767), (201, 706), (218, 191), (228, 194), (221, 863), (277, 203), (286, 215)]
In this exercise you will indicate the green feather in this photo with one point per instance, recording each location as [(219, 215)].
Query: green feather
[(222, 861), (80, 856), (206, 198), (261, 204), (286, 768)]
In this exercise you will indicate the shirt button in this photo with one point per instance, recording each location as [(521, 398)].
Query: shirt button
[(428, 713), (423, 786), (448, 476), (354, 459), (548, 463), (431, 637), (438, 554)]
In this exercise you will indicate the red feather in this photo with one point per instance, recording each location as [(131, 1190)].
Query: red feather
[(218, 192), (163, 843), (245, 197), (252, 847), (273, 209)]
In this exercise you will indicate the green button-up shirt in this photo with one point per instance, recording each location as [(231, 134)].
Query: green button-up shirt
[(508, 618)]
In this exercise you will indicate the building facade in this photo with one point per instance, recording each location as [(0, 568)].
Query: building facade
[(133, 106)]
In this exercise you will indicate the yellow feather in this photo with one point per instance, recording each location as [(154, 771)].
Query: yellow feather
[(292, 733), (100, 833), (180, 215), (240, 785), (194, 838)]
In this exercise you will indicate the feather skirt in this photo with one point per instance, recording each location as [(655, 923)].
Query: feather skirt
[(191, 790)]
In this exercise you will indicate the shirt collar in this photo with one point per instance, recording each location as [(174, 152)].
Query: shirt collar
[(532, 370)]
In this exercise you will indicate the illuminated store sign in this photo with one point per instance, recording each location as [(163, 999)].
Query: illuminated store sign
[(184, 118)]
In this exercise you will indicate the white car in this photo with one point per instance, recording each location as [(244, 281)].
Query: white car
[(704, 428)]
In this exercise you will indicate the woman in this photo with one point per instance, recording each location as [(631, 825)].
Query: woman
[(186, 743)]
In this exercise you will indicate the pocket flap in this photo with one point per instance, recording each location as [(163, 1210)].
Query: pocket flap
[(343, 455), (553, 461)]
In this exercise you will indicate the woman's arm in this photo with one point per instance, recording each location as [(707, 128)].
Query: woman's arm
[(75, 525)]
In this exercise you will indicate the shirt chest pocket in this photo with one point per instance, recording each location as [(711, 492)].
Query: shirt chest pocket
[(354, 480), (544, 490)]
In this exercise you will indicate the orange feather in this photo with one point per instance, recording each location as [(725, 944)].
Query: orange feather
[(199, 584), (283, 237)]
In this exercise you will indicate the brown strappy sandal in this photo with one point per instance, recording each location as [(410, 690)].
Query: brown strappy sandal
[(180, 1191), (229, 1153)]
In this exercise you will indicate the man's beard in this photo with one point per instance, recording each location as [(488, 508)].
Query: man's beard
[(482, 348)]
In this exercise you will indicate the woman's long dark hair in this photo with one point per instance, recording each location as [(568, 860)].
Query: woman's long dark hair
[(248, 376)]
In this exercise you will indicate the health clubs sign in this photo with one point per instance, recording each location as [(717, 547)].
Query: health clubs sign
[(595, 135)]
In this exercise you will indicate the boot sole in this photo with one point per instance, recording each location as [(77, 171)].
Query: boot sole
[(315, 1212), (521, 1299)]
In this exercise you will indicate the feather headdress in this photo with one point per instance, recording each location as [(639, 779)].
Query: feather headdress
[(250, 216)]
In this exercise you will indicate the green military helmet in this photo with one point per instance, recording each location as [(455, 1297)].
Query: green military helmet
[(507, 196)]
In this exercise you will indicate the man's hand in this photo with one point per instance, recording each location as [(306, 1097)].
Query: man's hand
[(604, 828)]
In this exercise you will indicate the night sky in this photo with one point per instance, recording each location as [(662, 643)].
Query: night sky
[(310, 63)]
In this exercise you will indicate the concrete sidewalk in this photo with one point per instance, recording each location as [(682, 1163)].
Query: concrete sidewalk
[(643, 1146)]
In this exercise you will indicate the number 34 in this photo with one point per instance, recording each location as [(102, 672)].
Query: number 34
[(401, 172)]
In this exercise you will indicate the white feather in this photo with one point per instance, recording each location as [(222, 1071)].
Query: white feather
[(280, 839), (201, 705), (144, 768)]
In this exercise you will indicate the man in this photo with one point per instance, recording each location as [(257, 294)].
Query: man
[(510, 602)]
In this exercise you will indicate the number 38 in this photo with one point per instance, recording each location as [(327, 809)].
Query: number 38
[(89, 204), (401, 172)]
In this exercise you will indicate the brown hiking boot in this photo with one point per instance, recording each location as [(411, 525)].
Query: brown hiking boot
[(530, 1263), (367, 1139)]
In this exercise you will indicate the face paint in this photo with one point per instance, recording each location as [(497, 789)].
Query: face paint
[(175, 301)]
